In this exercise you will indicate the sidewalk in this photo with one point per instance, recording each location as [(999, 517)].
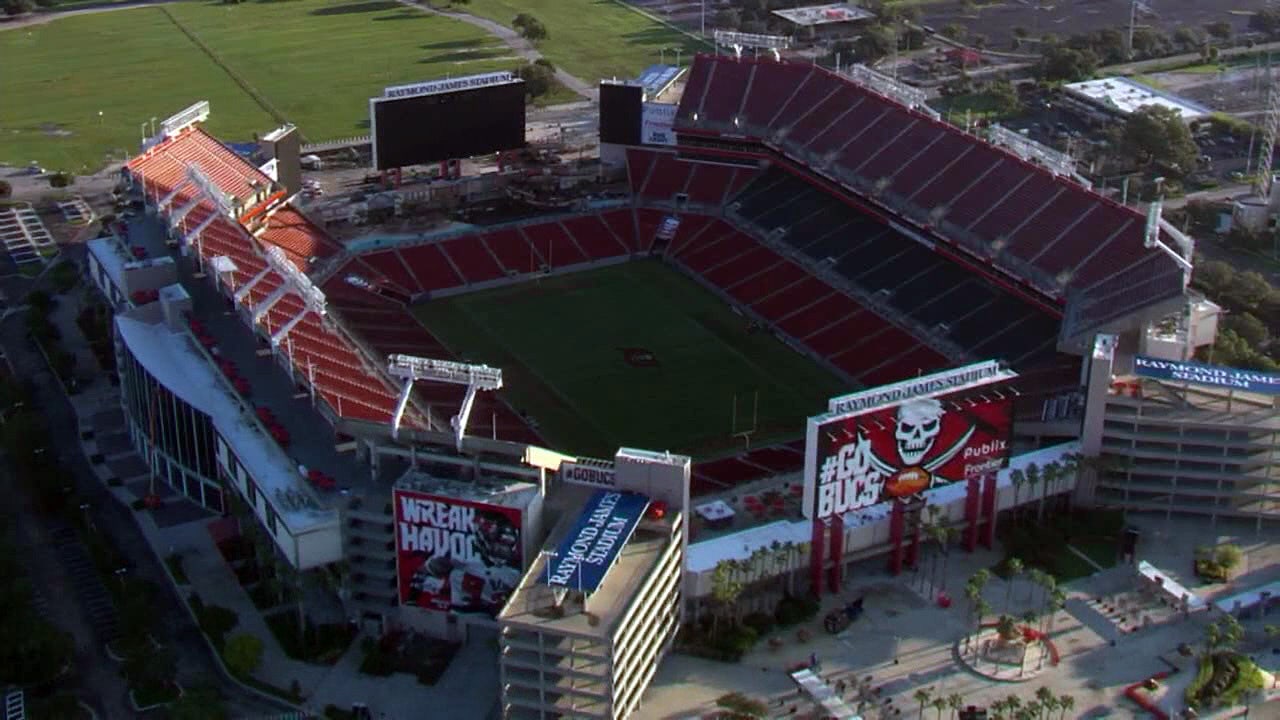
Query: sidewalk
[(469, 687)]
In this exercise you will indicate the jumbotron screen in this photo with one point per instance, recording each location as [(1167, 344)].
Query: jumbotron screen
[(443, 123)]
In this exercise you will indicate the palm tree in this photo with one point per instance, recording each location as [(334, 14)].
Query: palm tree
[(1033, 479), (1052, 472), (955, 701), (1047, 700), (1013, 566), (1013, 703), (1057, 601), (997, 709), (923, 696), (1018, 478), (939, 705), (1066, 704)]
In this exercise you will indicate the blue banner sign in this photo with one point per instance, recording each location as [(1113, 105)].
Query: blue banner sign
[(588, 551), (1213, 375)]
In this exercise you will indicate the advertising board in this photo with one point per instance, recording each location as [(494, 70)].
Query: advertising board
[(585, 471), (1211, 375), (456, 555), (585, 555), (419, 128), (863, 457), (657, 124)]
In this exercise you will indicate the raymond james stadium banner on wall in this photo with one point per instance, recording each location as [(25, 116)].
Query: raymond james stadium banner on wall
[(455, 555), (1211, 375), (588, 551)]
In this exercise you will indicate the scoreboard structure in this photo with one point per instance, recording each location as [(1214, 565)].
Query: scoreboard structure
[(449, 119)]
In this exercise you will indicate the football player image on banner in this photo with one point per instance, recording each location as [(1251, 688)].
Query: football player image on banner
[(899, 451), (455, 555)]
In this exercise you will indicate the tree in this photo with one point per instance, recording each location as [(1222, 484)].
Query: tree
[(1186, 38), (939, 705), (954, 31), (1157, 136), (1013, 566), (923, 696), (530, 27), (1067, 64), (18, 7), (1228, 556), (243, 654), (539, 77), (1249, 328), (1033, 479), (5, 189), (727, 19), (1220, 30), (1248, 290), (1018, 478), (1005, 96), (725, 589), (1066, 703), (1048, 701), (1214, 277), (955, 701)]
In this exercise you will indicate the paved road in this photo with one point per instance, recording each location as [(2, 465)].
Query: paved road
[(175, 629), (1141, 66), (518, 45)]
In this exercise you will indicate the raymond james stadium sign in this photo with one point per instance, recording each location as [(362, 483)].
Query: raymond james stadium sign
[(443, 86), (935, 384), (1211, 375), (588, 551)]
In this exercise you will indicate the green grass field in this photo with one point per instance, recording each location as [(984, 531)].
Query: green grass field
[(593, 39), (315, 62), (560, 345)]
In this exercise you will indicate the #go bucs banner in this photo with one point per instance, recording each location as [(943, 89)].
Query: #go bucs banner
[(456, 555), (893, 452)]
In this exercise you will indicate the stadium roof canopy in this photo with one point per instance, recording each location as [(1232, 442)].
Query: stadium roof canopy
[(1063, 240), (828, 14)]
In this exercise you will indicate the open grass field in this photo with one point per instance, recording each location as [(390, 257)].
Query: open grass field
[(563, 343), (592, 39), (312, 62)]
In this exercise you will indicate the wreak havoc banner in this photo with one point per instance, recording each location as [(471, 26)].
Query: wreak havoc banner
[(455, 555), (901, 450)]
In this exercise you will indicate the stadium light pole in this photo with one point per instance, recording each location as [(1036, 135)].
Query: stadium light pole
[(704, 18)]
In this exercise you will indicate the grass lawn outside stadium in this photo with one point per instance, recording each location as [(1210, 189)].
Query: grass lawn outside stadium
[(633, 355), (314, 63)]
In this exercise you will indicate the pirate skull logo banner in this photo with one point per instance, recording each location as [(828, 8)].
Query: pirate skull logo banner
[(899, 451)]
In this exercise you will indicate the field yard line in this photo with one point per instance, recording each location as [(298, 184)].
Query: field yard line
[(512, 39), (551, 389)]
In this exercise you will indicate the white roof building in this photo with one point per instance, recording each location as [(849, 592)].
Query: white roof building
[(1123, 96)]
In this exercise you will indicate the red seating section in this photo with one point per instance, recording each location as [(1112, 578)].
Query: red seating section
[(1056, 225)]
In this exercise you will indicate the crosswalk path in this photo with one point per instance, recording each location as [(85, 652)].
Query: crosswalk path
[(24, 235), (15, 705), (88, 585)]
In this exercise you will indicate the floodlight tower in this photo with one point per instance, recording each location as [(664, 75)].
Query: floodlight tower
[(474, 377)]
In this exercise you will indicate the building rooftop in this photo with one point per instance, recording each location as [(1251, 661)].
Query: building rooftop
[(173, 359), (116, 258), (531, 603), (485, 489), (1125, 96), (824, 14)]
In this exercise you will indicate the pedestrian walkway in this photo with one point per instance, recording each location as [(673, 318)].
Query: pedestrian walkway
[(470, 685)]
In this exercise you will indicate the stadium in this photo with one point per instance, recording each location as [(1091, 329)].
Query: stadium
[(795, 235)]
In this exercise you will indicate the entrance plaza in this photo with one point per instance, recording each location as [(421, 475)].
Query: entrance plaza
[(905, 643)]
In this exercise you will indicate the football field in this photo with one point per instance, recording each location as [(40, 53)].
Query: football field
[(633, 355)]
